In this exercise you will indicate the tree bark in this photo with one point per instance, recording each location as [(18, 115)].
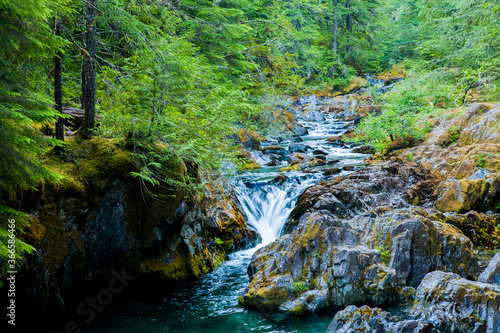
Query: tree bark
[(335, 29), (58, 93), (348, 27), (89, 75)]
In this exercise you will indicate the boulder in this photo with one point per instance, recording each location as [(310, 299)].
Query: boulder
[(248, 139), (382, 184), (374, 320), (492, 273), (298, 130), (298, 148), (364, 150), (331, 171), (319, 152), (326, 262), (276, 150), (453, 304), (313, 115)]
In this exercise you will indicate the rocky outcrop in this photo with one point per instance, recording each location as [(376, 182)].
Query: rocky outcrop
[(384, 184), (463, 154), (444, 302), (99, 218), (248, 139), (492, 272), (326, 262)]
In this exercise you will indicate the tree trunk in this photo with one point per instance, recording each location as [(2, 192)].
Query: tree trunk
[(58, 93), (348, 27), (335, 34), (89, 76)]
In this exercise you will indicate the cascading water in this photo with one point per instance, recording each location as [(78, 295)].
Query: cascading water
[(267, 206), (210, 304)]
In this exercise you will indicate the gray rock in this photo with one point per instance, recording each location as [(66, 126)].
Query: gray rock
[(453, 304), (299, 130), (366, 259), (492, 273), (313, 116), (298, 148)]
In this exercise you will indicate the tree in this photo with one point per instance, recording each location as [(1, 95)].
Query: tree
[(89, 71)]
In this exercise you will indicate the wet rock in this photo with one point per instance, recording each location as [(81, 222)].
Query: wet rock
[(313, 116), (280, 179), (319, 152), (274, 162), (298, 148), (326, 262), (276, 150), (248, 161), (299, 130), (492, 273), (297, 139), (364, 150), (331, 171), (348, 168), (333, 161)]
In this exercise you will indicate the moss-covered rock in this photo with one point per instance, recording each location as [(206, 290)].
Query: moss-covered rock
[(326, 262), (99, 218)]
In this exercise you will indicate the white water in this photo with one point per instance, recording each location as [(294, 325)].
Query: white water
[(267, 206)]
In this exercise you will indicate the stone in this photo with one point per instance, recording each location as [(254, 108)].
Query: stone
[(298, 148), (368, 259), (319, 152), (247, 138), (299, 130), (277, 150), (364, 150), (313, 116), (492, 273), (331, 171), (280, 179)]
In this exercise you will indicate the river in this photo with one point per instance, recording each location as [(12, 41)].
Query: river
[(210, 304)]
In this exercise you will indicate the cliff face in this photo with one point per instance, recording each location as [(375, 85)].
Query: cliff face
[(99, 219)]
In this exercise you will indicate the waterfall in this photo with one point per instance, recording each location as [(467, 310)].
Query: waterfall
[(268, 205)]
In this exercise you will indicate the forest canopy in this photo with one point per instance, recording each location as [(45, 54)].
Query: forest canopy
[(185, 74)]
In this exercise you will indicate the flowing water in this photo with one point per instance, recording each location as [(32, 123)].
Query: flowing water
[(210, 304)]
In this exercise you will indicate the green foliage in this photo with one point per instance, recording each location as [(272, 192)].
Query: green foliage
[(218, 241), (480, 158), (454, 133), (299, 287), (385, 254), (318, 255)]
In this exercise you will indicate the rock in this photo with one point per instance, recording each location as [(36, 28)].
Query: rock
[(277, 150), (299, 130), (97, 218), (331, 171), (364, 150), (326, 262), (356, 84), (272, 163), (297, 139), (399, 143), (298, 148), (348, 168), (374, 185), (248, 162), (464, 195), (319, 152), (396, 73), (332, 161), (492, 273), (462, 154), (280, 179), (313, 116), (248, 139), (480, 228), (453, 304)]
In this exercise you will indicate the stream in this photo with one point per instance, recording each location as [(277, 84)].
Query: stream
[(210, 304)]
